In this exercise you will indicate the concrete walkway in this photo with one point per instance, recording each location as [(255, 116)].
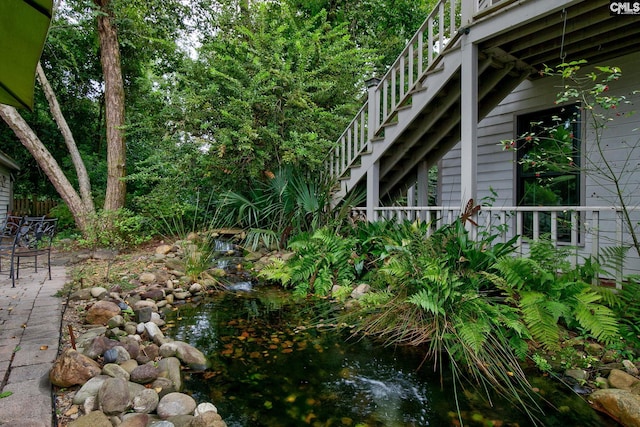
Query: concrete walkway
[(30, 319)]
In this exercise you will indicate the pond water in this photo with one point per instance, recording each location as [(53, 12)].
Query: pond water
[(275, 362)]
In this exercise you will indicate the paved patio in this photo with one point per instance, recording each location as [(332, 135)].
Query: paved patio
[(30, 320)]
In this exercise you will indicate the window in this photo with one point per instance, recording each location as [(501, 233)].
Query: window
[(548, 171)]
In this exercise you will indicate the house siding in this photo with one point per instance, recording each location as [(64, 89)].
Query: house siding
[(496, 167), (6, 191)]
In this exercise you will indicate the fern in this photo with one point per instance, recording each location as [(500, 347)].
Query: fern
[(599, 320), (277, 270), (542, 323)]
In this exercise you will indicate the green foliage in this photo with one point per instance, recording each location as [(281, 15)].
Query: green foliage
[(270, 88), (63, 214), (322, 259), (541, 363), (290, 202), (627, 309), (198, 255), (116, 229), (441, 295), (549, 298)]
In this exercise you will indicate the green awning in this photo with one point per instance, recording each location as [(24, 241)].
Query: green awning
[(23, 29)]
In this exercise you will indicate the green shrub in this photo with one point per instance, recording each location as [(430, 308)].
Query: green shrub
[(65, 218), (116, 229)]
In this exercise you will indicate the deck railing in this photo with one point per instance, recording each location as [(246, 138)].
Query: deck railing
[(420, 56), (585, 230)]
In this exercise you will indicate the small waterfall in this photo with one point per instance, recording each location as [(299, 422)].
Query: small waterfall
[(223, 246)]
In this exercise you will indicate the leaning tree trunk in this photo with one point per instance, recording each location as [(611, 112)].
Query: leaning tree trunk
[(48, 164), (114, 108), (84, 184)]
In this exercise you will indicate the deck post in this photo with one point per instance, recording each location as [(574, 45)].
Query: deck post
[(469, 121), (373, 174), (373, 191), (423, 187), (469, 8)]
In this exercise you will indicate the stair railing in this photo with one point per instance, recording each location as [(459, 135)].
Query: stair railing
[(420, 56)]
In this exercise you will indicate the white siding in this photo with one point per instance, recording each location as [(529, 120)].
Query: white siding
[(5, 191), (621, 145)]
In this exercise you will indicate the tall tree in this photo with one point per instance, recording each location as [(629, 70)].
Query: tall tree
[(149, 31), (273, 88), (114, 106)]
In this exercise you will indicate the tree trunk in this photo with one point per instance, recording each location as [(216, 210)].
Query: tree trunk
[(114, 108), (84, 184), (48, 164)]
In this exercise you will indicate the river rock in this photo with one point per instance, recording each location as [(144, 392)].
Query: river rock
[(115, 371), (85, 340), (145, 374), (195, 288), (163, 386), (129, 365), (147, 277), (98, 292), (630, 367), (163, 249), (90, 388), (135, 388), (577, 374), (113, 396), (208, 419), (148, 353), (115, 322), (73, 368), (117, 354), (176, 265), (146, 401), (143, 314), (191, 356), (81, 295), (169, 349), (145, 303), (170, 368), (155, 294), (360, 290), (132, 346), (181, 295), (174, 404), (100, 312), (135, 420), (92, 419), (205, 407), (153, 331), (622, 380), (621, 405)]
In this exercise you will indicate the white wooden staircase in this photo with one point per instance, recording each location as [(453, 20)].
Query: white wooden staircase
[(416, 112)]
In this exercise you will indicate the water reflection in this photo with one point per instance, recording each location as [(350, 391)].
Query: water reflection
[(271, 367)]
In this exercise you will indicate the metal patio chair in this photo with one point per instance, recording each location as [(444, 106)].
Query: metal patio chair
[(32, 239)]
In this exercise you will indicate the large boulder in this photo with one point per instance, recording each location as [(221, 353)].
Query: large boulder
[(73, 368), (621, 405)]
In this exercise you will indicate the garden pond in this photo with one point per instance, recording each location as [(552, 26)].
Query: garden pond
[(275, 361)]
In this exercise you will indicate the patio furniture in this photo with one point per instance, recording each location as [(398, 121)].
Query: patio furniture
[(32, 239)]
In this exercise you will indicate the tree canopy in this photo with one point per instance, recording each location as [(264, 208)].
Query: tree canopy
[(218, 94)]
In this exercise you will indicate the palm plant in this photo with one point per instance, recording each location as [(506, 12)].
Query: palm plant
[(288, 203)]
